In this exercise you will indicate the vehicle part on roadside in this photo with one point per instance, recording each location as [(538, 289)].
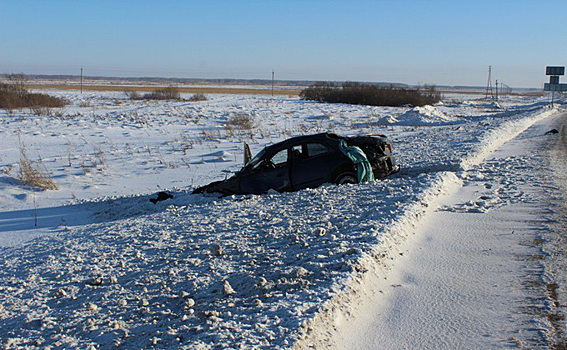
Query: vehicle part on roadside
[(161, 196)]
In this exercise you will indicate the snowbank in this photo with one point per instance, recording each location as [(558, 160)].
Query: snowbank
[(423, 116)]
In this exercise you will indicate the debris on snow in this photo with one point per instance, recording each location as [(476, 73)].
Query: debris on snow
[(216, 250), (96, 281)]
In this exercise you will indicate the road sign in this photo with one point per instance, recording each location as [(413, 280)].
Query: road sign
[(553, 70), (555, 87)]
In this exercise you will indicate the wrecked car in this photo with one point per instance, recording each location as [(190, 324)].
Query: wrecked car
[(307, 162)]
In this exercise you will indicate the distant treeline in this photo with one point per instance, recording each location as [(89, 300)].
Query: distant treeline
[(371, 94), (164, 80)]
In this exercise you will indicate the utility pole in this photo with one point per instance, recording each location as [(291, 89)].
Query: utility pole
[(489, 84), (272, 83), (496, 89), (81, 79)]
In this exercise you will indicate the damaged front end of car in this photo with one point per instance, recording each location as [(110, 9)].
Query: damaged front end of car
[(378, 150)]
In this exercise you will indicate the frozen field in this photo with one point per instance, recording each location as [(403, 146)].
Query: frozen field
[(94, 263)]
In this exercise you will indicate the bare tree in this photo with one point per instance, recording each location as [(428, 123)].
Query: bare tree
[(17, 82)]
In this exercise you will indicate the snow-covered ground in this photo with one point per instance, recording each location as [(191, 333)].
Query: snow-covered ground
[(95, 264)]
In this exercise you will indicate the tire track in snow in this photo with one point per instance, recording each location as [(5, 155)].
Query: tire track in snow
[(555, 242)]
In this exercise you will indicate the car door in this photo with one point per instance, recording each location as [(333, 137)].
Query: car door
[(313, 164), (272, 172)]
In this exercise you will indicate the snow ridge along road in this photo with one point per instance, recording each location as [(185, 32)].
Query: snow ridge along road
[(460, 282), (201, 272)]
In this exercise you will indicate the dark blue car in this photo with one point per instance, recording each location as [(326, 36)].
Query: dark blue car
[(306, 162)]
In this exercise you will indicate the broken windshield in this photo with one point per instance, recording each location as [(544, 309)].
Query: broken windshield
[(254, 161)]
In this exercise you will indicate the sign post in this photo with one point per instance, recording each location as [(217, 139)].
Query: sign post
[(554, 72)]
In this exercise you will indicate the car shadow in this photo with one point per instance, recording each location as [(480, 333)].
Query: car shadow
[(92, 211), (427, 169)]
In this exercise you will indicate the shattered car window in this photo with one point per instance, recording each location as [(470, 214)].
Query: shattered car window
[(280, 158), (297, 151), (253, 163)]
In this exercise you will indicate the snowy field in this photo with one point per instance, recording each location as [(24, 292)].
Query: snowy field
[(95, 264)]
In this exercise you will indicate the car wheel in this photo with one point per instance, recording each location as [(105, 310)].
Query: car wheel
[(346, 178)]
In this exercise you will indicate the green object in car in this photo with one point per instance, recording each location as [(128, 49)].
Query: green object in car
[(358, 157)]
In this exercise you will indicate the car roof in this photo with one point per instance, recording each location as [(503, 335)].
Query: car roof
[(303, 138), (317, 137)]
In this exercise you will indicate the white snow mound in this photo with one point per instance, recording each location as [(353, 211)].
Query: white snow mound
[(425, 116)]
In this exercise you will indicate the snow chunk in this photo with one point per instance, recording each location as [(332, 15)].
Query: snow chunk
[(91, 307), (387, 119), (227, 289), (189, 303)]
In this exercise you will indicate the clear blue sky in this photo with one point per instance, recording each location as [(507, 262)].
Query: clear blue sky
[(410, 41)]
